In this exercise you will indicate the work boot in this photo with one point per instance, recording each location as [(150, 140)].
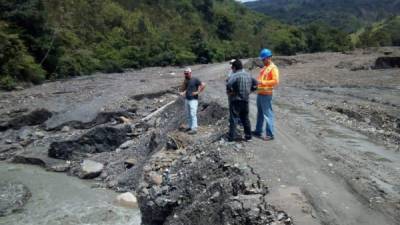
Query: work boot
[(268, 138), (248, 139), (229, 138), (192, 132), (256, 134)]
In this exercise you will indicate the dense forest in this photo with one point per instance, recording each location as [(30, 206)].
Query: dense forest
[(46, 39), (349, 16)]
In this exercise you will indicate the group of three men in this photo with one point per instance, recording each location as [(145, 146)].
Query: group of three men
[(239, 87)]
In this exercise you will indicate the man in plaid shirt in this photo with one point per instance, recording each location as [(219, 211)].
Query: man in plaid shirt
[(239, 87)]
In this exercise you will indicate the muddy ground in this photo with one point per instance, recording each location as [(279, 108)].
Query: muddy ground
[(335, 160)]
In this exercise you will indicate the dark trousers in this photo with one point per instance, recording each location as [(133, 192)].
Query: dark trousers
[(239, 109)]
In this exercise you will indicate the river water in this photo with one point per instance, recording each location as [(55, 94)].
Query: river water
[(58, 199)]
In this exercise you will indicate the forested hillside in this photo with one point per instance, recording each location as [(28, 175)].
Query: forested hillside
[(343, 14), (42, 39), (45, 39)]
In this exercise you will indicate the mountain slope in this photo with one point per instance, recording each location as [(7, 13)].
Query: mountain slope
[(343, 14)]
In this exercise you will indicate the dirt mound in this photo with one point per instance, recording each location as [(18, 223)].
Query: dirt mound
[(152, 95), (101, 118), (210, 113), (33, 118), (387, 62), (383, 124), (101, 139)]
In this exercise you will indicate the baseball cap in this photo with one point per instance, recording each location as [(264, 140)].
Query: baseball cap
[(187, 70)]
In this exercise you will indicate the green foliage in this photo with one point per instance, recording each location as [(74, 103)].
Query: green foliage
[(386, 33), (7, 82), (16, 64), (58, 39), (320, 37)]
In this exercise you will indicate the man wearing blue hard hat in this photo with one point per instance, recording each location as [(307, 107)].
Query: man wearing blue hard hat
[(267, 80)]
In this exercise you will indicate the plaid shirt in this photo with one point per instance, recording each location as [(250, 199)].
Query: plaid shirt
[(240, 85)]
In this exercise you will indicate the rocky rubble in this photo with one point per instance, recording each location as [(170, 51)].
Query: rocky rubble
[(372, 121), (202, 188), (178, 178)]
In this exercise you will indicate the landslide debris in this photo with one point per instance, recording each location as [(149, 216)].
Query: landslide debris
[(177, 178)]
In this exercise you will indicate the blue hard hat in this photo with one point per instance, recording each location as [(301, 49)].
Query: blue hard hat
[(265, 53)]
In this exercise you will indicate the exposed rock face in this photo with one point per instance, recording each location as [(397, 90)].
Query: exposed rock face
[(90, 169), (101, 139), (13, 197)]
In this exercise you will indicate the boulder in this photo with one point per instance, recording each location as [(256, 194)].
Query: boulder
[(90, 169), (127, 200)]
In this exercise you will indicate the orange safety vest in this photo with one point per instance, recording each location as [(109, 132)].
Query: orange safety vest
[(268, 79)]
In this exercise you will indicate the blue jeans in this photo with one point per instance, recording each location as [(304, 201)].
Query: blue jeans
[(265, 112), (191, 113)]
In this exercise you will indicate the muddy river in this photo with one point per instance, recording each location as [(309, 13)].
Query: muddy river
[(58, 199)]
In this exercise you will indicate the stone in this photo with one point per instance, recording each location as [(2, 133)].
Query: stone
[(155, 178), (66, 129), (24, 134), (127, 200), (127, 144), (8, 141), (125, 120), (129, 163), (13, 197), (90, 169), (39, 134), (60, 167)]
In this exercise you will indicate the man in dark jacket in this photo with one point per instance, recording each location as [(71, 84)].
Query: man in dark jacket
[(239, 87)]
